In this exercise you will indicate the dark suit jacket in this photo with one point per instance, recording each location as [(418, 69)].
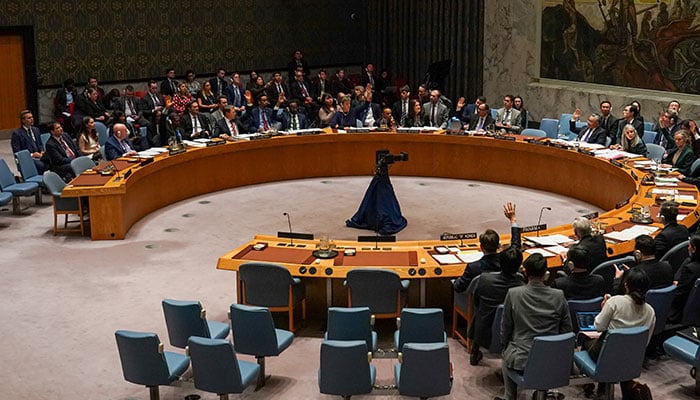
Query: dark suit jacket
[(273, 94), (338, 85), (60, 100), (147, 105), (598, 136), (21, 141), (113, 148), (222, 126), (474, 121), (255, 118), (214, 87), (685, 160), (672, 234), (689, 273), (286, 120), (316, 88), (166, 89), (620, 123), (597, 251), (295, 88), (581, 286), (363, 110), (660, 273), (396, 110), (85, 107), (59, 162), (608, 124), (230, 93), (487, 263), (466, 113), (292, 67), (490, 292), (186, 125)]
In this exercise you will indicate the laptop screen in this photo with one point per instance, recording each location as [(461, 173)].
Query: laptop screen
[(586, 320)]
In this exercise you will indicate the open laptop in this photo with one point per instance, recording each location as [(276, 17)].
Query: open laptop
[(586, 320)]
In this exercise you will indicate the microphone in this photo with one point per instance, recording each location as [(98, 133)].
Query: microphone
[(540, 218), (114, 167), (461, 241), (289, 222)]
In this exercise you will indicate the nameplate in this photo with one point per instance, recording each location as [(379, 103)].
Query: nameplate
[(622, 203), (533, 228), (586, 152), (295, 235), (538, 141), (458, 236), (456, 133), (306, 133), (634, 175), (259, 137), (617, 164), (559, 146), (177, 151), (379, 239), (591, 215), (146, 162), (502, 137), (127, 174), (215, 143)]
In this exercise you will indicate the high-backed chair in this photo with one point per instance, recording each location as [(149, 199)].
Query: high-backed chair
[(687, 351), (145, 363), (563, 123), (351, 323), (254, 333), (216, 369), (419, 325), (648, 126), (548, 364), (606, 269), (551, 126), (463, 308), (7, 184), (655, 152), (661, 300), (496, 345), (676, 255), (533, 132), (27, 168), (102, 133), (64, 206), (424, 370), (694, 167), (45, 138), (81, 164), (346, 368), (649, 137), (272, 286), (187, 318), (620, 358), (379, 289), (576, 306)]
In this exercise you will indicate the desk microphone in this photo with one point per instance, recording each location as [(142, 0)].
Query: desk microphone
[(289, 222), (540, 218), (461, 241), (118, 178)]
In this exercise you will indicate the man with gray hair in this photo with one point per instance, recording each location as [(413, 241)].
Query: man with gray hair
[(594, 244), (592, 132)]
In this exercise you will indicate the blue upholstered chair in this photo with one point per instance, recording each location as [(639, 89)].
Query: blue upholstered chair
[(548, 365), (145, 363), (216, 369), (648, 126), (27, 168), (81, 164), (351, 323), (254, 333), (655, 152), (463, 308), (681, 348), (187, 318), (576, 306), (419, 325), (620, 358), (649, 137), (660, 300), (496, 345), (694, 167), (563, 123), (64, 206), (7, 184), (272, 286), (102, 133), (676, 255), (5, 198), (551, 126), (346, 368), (424, 370), (45, 138), (533, 132), (379, 289), (606, 269)]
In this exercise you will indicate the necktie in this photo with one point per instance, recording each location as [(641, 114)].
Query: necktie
[(194, 125), (31, 137), (480, 125), (156, 102), (69, 152), (506, 117), (279, 89), (294, 122), (303, 90), (172, 86), (125, 146), (234, 131), (264, 120), (404, 112), (131, 106), (585, 136), (237, 95), (432, 118)]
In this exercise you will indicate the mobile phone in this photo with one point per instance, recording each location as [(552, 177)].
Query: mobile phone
[(619, 267)]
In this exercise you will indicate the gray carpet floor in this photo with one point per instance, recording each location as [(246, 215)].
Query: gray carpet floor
[(64, 296)]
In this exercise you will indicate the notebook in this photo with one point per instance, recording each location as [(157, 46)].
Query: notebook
[(586, 320)]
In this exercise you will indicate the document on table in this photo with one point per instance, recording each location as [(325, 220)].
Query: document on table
[(447, 258), (468, 257), (631, 233), (542, 251), (549, 240)]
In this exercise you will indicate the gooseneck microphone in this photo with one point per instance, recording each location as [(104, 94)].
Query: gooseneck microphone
[(289, 222), (540, 218), (114, 167)]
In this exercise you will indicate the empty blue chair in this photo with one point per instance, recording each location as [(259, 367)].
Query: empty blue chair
[(494, 114), (463, 307), (216, 369), (102, 133), (548, 365), (5, 198), (649, 137), (684, 350), (64, 205), (187, 318), (533, 132), (346, 368), (551, 126), (27, 168), (676, 255), (655, 152), (382, 290), (145, 363), (576, 306), (45, 138), (7, 184), (424, 370), (254, 333), (648, 126), (563, 123), (351, 323), (620, 358), (81, 164), (660, 300), (420, 325)]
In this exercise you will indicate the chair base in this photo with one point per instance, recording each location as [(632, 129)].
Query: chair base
[(154, 392), (262, 378)]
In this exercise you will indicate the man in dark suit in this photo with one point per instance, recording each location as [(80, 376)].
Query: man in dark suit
[(90, 106), (607, 120), (672, 233), (28, 137), (339, 83), (529, 311), (464, 111), (301, 90), (580, 284), (130, 106), (64, 98), (595, 245), (118, 144), (169, 85), (629, 116), (688, 273), (297, 62), (666, 129), (152, 101), (278, 86), (261, 117), (218, 83), (400, 108), (235, 93), (292, 118), (660, 273), (482, 119), (592, 133), (229, 126), (320, 86), (194, 124), (60, 151)]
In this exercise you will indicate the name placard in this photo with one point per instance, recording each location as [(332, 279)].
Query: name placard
[(622, 203), (591, 215), (533, 228), (458, 236)]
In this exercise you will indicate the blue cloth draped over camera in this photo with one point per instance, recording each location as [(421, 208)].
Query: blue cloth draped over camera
[(379, 210)]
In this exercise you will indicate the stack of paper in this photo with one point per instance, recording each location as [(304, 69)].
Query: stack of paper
[(631, 233)]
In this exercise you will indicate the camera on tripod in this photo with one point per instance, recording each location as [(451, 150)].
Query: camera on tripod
[(384, 158)]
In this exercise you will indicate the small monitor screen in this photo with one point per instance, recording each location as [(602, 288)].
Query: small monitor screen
[(586, 320)]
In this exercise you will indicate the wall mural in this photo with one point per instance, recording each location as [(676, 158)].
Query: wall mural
[(648, 44)]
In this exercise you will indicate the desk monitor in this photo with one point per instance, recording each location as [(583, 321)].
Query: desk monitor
[(586, 320)]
